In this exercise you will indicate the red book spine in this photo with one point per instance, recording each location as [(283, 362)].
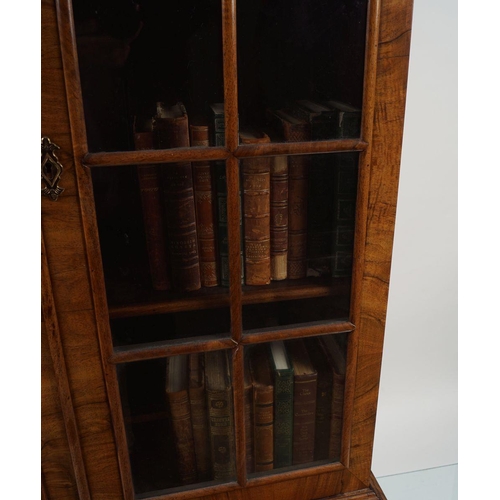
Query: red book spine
[(178, 196), (152, 209), (204, 195)]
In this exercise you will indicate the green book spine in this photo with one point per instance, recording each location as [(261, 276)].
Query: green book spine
[(283, 411)]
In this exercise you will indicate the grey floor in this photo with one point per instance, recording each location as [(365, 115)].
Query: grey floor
[(440, 483)]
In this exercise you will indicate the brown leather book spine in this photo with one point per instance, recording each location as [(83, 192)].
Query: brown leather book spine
[(304, 418), (178, 196), (256, 217), (249, 438), (204, 195), (199, 419), (263, 408), (152, 209), (180, 414), (297, 203), (279, 217)]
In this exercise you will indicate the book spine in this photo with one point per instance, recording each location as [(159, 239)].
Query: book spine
[(344, 213), (337, 413), (297, 217), (297, 203), (320, 207), (249, 437), (221, 434), (178, 196), (204, 196), (279, 218), (200, 431), (256, 216), (323, 415), (283, 418), (263, 428), (152, 209), (183, 435), (304, 418)]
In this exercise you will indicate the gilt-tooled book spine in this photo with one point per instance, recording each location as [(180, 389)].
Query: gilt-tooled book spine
[(304, 404), (298, 171), (199, 418), (283, 417), (152, 209), (204, 195), (279, 217), (263, 407), (256, 214), (220, 415), (178, 197)]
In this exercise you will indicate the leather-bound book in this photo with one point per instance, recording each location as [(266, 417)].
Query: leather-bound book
[(220, 414), (217, 138), (248, 394), (279, 217), (283, 404), (172, 131), (305, 382), (263, 408), (336, 358), (296, 130), (256, 173), (324, 395), (204, 196), (152, 208), (347, 119), (199, 417), (176, 390)]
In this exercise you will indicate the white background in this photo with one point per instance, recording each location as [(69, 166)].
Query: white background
[(417, 413)]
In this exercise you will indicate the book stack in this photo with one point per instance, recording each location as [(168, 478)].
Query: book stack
[(199, 398), (296, 215), (294, 399)]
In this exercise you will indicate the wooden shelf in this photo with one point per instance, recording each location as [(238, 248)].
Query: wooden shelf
[(142, 304)]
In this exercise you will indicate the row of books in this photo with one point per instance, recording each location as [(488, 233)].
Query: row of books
[(296, 215), (294, 397)]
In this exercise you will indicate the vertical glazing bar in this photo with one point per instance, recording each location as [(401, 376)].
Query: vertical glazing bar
[(364, 166)]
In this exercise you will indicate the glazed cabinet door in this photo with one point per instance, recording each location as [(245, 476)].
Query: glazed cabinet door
[(219, 190)]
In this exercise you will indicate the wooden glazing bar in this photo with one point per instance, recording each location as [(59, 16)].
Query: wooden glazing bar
[(91, 235), (121, 158), (59, 365), (364, 165), (304, 471), (239, 415), (187, 494), (230, 73), (163, 349), (319, 328), (295, 148), (208, 301), (233, 227)]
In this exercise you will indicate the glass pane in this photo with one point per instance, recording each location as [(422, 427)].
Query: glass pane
[(302, 61), (298, 236), (294, 402), (171, 327), (163, 233), (134, 54), (178, 415)]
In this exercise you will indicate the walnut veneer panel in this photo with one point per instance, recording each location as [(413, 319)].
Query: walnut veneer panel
[(69, 274)]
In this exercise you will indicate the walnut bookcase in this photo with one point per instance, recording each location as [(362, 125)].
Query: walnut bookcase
[(84, 431)]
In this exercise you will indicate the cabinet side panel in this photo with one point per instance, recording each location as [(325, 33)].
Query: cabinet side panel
[(69, 274), (58, 475), (390, 95)]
